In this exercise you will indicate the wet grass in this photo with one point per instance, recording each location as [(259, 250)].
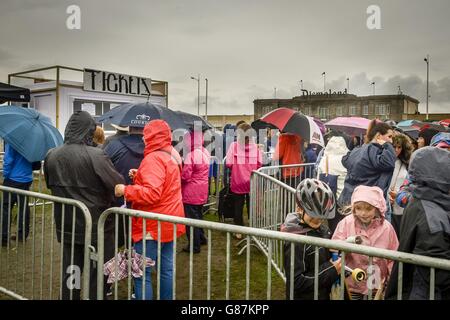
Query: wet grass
[(38, 278)]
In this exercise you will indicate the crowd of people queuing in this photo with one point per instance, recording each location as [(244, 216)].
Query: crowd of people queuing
[(387, 193), (391, 196)]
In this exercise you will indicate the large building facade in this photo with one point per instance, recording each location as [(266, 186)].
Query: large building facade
[(329, 105), (219, 121)]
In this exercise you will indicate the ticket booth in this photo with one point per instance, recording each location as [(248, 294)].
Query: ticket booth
[(59, 91)]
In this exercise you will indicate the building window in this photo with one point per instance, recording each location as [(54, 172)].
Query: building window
[(266, 109), (339, 111), (95, 108), (365, 110), (323, 113), (382, 109), (307, 111), (352, 110)]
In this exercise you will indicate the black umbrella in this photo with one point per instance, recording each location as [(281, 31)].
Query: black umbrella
[(190, 120), (138, 115), (13, 93)]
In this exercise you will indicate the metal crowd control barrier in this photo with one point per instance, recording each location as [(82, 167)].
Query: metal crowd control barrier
[(270, 202), (20, 257), (291, 174), (271, 236), (213, 196), (272, 198)]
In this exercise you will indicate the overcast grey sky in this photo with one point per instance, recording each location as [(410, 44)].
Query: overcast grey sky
[(244, 47)]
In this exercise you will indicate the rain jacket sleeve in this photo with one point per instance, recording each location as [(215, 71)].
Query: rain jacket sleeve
[(384, 160), (8, 161), (105, 170), (340, 233), (304, 270), (230, 155), (152, 175), (188, 168), (404, 194)]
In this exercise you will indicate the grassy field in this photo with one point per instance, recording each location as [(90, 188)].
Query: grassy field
[(38, 277)]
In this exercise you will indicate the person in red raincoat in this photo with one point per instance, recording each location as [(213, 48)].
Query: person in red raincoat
[(156, 188)]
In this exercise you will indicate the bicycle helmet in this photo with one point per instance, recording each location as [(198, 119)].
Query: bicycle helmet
[(316, 199)]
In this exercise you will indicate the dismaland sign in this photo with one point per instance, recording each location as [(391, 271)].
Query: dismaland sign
[(306, 93), (103, 81)]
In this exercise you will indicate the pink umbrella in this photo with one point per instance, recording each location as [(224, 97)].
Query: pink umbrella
[(321, 125), (349, 125)]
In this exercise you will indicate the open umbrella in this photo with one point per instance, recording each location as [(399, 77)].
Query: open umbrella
[(353, 126), (139, 114), (322, 127), (291, 121), (190, 120), (29, 132), (410, 131), (408, 123), (445, 123)]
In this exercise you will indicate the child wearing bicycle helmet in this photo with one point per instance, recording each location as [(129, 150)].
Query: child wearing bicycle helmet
[(367, 221), (315, 204)]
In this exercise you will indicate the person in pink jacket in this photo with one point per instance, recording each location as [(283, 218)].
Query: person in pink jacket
[(367, 221), (243, 157), (194, 184)]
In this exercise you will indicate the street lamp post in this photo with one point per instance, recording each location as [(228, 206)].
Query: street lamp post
[(198, 92), (427, 60), (373, 87), (206, 100), (324, 77), (348, 85), (275, 92)]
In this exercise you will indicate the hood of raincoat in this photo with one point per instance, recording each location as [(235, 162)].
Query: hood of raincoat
[(336, 146), (430, 174), (80, 129), (157, 136), (134, 144), (193, 140), (372, 195)]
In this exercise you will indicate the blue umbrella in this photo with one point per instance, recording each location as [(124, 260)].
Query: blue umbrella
[(29, 132), (138, 115), (190, 120), (408, 123)]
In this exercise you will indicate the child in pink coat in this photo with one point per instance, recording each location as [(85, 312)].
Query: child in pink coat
[(194, 184), (367, 221)]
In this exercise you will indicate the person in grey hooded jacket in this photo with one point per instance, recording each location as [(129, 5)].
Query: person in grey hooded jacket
[(80, 171), (425, 226)]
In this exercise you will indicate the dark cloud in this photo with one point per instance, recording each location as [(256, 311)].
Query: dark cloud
[(246, 48)]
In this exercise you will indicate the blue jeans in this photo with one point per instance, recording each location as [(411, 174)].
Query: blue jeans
[(166, 290)]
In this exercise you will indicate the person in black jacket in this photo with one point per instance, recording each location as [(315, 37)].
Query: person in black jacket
[(80, 171), (370, 165), (126, 152), (315, 204), (425, 226)]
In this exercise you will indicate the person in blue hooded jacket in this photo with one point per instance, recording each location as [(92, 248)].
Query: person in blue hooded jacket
[(17, 173), (372, 164), (126, 152)]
